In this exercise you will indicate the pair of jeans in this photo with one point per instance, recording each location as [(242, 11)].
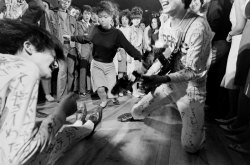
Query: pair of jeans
[(190, 103)]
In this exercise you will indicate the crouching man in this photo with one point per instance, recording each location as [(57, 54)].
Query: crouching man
[(188, 39)]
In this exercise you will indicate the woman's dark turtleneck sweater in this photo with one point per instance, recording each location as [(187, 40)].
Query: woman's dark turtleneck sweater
[(106, 42)]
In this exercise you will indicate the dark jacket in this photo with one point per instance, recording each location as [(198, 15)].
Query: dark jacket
[(218, 18)]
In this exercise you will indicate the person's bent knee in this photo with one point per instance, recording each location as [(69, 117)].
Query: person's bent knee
[(101, 90)]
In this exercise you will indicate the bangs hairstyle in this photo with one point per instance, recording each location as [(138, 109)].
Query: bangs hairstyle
[(136, 12), (186, 3), (13, 33), (125, 13), (106, 6)]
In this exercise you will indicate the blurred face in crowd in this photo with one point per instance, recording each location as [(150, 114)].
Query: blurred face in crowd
[(94, 17), (136, 21), (64, 4), (86, 15), (170, 7), (46, 6), (125, 21), (73, 12), (142, 26), (195, 5), (154, 23), (77, 13), (105, 19)]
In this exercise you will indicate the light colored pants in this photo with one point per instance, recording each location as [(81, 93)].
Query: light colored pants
[(190, 102), (62, 80), (103, 75), (66, 78), (46, 84)]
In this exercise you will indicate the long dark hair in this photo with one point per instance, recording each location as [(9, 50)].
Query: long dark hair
[(158, 22)]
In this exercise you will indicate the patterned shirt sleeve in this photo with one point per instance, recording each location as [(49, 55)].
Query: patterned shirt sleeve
[(19, 118), (198, 42)]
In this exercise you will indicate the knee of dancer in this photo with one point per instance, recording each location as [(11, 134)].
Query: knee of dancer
[(136, 112), (101, 90)]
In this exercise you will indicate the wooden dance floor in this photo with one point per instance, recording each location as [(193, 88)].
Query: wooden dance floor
[(155, 141)]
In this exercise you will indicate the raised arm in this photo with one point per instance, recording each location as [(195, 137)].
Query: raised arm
[(128, 47)]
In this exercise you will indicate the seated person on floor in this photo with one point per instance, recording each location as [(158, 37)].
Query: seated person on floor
[(26, 55), (188, 36)]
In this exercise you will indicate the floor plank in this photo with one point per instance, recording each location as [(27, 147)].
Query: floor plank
[(155, 141)]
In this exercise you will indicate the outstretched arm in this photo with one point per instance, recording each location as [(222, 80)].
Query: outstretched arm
[(128, 47), (83, 39)]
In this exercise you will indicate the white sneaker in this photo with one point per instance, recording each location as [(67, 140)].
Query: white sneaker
[(136, 94), (121, 94), (49, 98)]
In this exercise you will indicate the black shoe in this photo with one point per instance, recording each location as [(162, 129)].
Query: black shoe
[(81, 114), (83, 94), (41, 114), (127, 117), (96, 117), (115, 101)]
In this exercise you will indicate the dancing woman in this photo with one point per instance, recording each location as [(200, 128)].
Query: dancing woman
[(106, 40)]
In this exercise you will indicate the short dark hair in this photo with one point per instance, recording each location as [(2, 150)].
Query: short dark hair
[(136, 12), (87, 8), (94, 10), (106, 6), (13, 33), (186, 3), (125, 13)]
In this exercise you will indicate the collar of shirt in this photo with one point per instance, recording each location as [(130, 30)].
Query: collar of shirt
[(87, 23)]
